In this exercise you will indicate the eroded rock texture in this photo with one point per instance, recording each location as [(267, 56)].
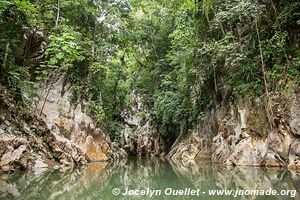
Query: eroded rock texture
[(13, 151), (72, 122), (240, 134), (55, 134), (27, 143), (141, 135)]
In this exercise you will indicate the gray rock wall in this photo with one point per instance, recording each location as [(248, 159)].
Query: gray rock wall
[(141, 135), (241, 135)]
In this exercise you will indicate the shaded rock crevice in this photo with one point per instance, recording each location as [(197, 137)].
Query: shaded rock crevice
[(140, 135)]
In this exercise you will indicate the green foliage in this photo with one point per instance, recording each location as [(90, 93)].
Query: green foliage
[(22, 11), (181, 57), (289, 16), (63, 51), (165, 105)]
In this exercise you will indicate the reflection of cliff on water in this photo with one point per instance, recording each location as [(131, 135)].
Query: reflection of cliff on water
[(141, 174), (202, 174), (98, 180), (73, 184)]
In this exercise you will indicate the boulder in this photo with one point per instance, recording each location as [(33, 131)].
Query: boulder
[(295, 126), (294, 156), (13, 152)]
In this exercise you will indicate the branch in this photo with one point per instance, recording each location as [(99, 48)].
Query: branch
[(269, 103)]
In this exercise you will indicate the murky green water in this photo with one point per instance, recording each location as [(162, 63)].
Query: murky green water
[(145, 178)]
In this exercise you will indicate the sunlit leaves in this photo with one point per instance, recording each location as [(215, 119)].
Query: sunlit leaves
[(63, 51), (21, 11), (180, 56)]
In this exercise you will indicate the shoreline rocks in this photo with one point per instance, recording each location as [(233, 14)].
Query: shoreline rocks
[(241, 135), (61, 137), (13, 152)]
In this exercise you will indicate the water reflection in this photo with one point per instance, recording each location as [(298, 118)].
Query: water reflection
[(241, 177), (99, 179)]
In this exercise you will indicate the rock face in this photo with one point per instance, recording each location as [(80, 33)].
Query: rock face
[(194, 147), (24, 138), (240, 135), (60, 136), (72, 123), (13, 151), (140, 134), (294, 155)]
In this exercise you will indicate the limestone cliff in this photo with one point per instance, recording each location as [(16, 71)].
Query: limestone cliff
[(27, 143), (60, 135), (140, 134), (239, 134), (73, 123)]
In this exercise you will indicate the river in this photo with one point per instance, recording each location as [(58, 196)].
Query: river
[(153, 179)]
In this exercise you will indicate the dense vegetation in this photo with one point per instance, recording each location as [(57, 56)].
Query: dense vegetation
[(181, 56)]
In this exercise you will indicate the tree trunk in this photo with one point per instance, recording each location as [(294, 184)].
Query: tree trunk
[(94, 42), (215, 80), (269, 102), (6, 55), (58, 13), (274, 7), (222, 28), (48, 91)]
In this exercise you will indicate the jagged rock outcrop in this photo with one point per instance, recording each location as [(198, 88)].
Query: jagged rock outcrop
[(57, 136), (190, 150), (13, 151), (74, 124), (194, 147), (240, 135), (294, 155), (25, 137), (140, 135)]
